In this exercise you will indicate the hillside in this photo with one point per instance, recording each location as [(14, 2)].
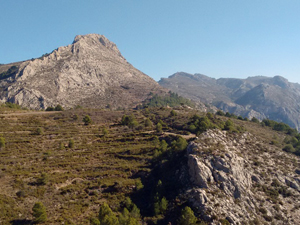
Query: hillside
[(147, 165), (90, 72), (261, 97)]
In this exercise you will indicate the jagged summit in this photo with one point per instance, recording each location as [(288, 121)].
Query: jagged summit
[(96, 40), (90, 72)]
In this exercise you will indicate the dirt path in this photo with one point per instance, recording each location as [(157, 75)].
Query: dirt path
[(29, 113), (185, 136)]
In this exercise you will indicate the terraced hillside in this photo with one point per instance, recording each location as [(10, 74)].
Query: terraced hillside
[(134, 160)]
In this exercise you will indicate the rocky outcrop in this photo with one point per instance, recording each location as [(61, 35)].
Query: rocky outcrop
[(238, 178), (261, 97), (90, 72)]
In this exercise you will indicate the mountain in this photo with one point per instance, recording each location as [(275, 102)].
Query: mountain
[(240, 173), (90, 72), (261, 97)]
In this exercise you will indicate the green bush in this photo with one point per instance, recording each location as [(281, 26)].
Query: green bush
[(87, 120), (187, 217), (148, 123), (59, 108), (163, 205), (220, 113), (173, 113), (38, 131), (180, 144), (2, 142), (43, 179), (289, 148), (106, 215), (159, 127), (39, 213), (129, 121), (71, 143), (49, 108), (94, 221)]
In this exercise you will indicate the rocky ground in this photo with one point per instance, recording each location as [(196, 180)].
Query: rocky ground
[(238, 178)]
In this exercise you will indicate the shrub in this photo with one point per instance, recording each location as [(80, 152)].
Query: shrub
[(220, 113), (104, 132), (163, 205), (139, 185), (180, 144), (87, 120), (159, 127), (21, 194), (39, 213), (148, 123), (127, 219), (94, 221), (59, 108), (106, 215), (163, 146), (2, 142), (71, 143), (129, 121), (173, 113), (43, 179), (39, 131), (187, 217), (289, 148), (229, 125), (50, 108)]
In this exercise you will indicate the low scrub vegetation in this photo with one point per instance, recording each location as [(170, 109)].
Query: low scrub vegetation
[(110, 167)]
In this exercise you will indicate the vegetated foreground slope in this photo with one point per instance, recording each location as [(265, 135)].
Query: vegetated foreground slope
[(90, 72), (261, 97), (140, 164)]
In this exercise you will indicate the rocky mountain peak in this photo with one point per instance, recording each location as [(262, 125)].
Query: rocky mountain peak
[(96, 41), (90, 72)]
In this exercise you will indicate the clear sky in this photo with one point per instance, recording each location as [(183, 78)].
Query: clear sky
[(218, 38)]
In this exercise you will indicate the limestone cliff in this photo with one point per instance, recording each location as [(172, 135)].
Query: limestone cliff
[(90, 72), (238, 178)]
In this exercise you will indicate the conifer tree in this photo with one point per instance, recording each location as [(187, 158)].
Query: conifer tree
[(39, 213), (106, 215), (187, 217)]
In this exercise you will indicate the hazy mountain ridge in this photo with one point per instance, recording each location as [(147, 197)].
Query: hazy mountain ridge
[(90, 72), (262, 97)]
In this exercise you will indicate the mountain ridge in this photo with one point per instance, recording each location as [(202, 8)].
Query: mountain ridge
[(259, 96)]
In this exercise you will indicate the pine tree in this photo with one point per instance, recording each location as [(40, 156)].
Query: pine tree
[(163, 205), (159, 127), (106, 216), (39, 213), (187, 217)]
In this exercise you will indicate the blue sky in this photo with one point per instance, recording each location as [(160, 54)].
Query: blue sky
[(218, 38)]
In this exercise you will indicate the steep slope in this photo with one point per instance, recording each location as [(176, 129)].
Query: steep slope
[(90, 72), (243, 180), (260, 97)]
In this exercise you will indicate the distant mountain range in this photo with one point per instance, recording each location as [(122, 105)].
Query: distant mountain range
[(90, 72), (261, 97)]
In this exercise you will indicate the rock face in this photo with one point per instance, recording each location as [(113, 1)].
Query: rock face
[(238, 178), (90, 72), (261, 97)]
